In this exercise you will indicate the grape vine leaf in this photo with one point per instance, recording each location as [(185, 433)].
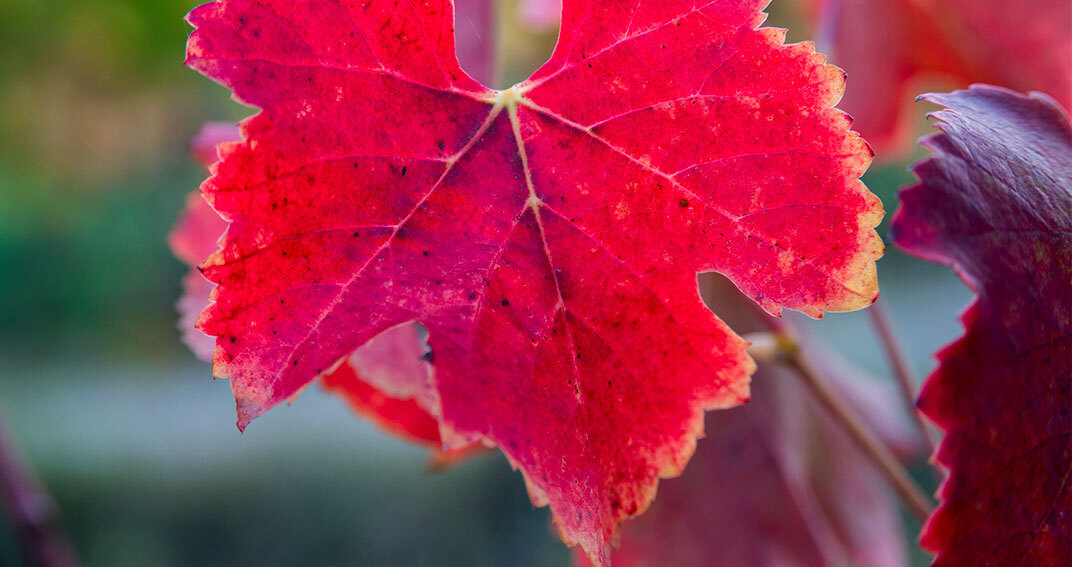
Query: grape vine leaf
[(776, 482), (548, 236), (994, 203), (889, 46), (387, 380)]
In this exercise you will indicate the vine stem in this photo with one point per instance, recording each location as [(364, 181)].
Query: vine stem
[(898, 362), (781, 344), (913, 497), (31, 511)]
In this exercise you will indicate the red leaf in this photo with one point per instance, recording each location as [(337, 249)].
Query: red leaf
[(385, 380), (194, 237), (888, 46), (994, 203), (548, 236), (388, 380)]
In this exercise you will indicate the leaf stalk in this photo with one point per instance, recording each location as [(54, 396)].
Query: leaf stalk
[(902, 370), (780, 345)]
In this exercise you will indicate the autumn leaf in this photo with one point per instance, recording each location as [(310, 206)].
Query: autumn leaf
[(194, 237), (994, 203), (889, 47), (547, 236), (386, 380)]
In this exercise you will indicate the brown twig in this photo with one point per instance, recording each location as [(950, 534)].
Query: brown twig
[(30, 510), (787, 350), (901, 369), (779, 344)]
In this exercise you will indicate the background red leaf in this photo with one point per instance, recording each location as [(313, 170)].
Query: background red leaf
[(539, 14), (548, 236), (195, 236), (388, 380), (994, 203), (476, 38), (888, 47)]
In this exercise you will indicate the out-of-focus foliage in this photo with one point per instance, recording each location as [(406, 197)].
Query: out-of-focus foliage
[(95, 112)]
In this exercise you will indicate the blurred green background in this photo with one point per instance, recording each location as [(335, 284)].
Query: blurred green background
[(127, 429)]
